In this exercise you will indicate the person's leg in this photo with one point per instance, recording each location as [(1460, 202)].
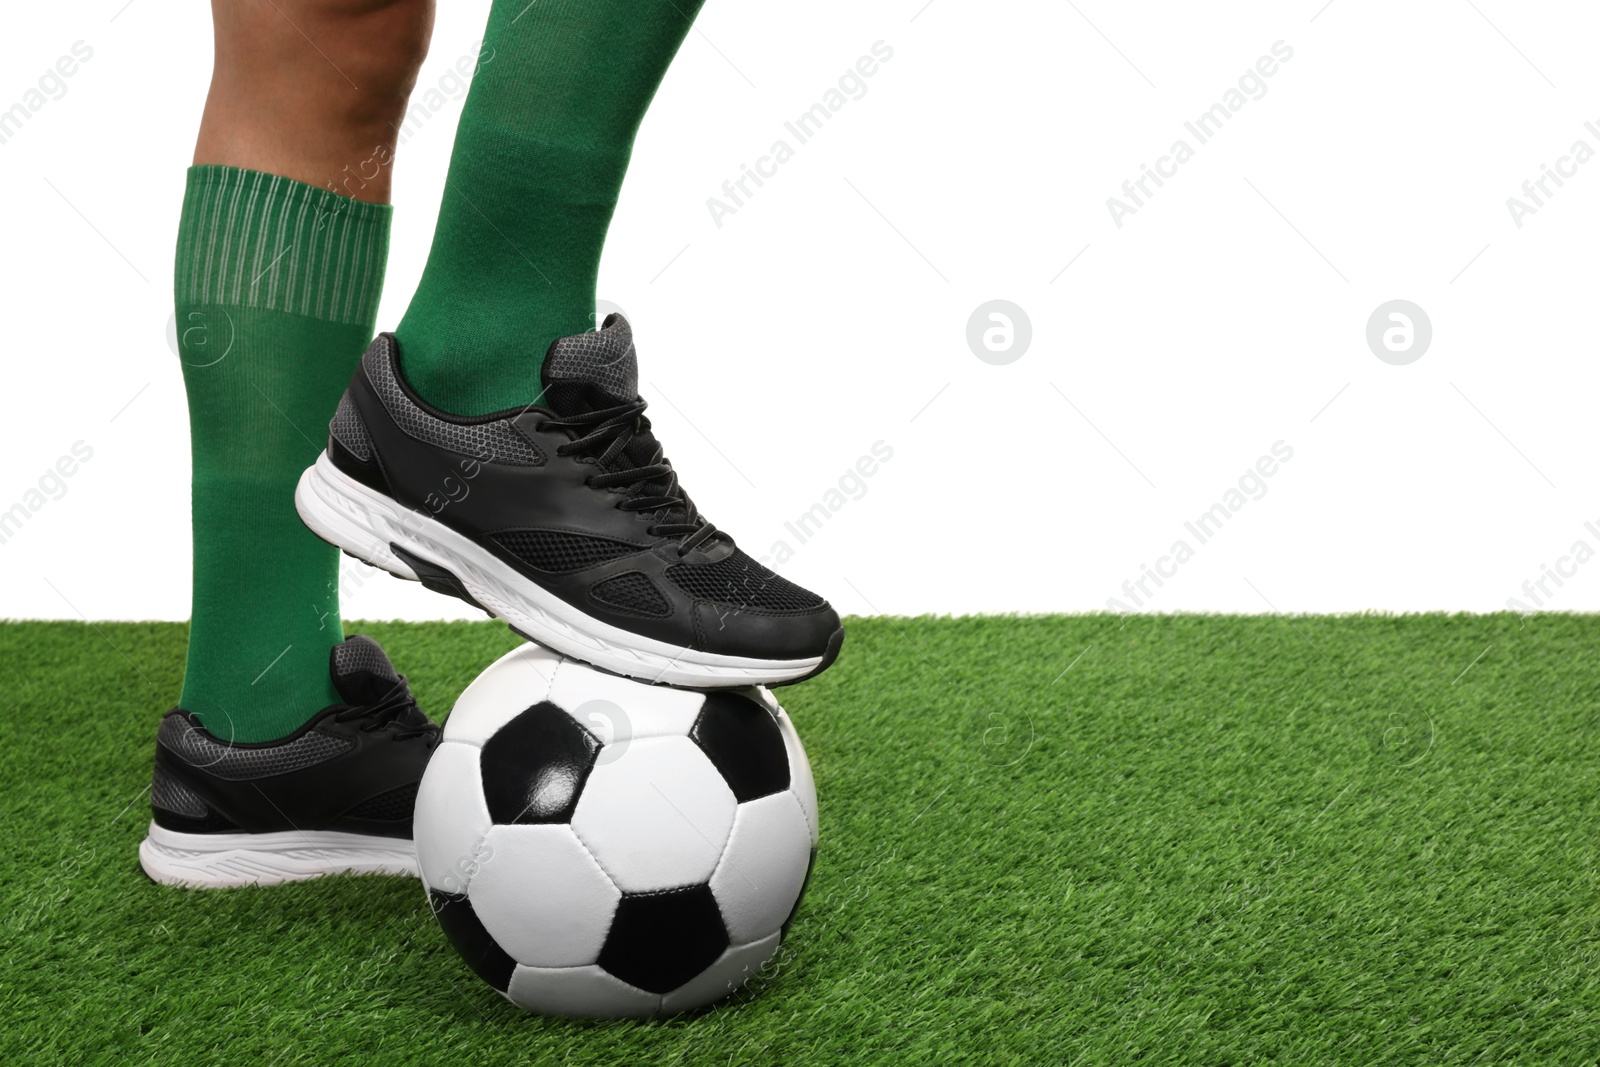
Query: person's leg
[(280, 260), (495, 448), (539, 158), (313, 90), (296, 753)]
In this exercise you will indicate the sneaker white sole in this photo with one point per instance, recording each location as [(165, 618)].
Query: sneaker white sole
[(365, 523), (222, 861)]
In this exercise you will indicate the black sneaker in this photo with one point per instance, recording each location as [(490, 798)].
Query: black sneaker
[(335, 796), (565, 520)]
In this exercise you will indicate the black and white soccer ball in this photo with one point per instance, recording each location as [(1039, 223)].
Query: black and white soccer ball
[(595, 846)]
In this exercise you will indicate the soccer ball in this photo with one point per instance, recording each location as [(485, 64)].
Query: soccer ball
[(595, 846)]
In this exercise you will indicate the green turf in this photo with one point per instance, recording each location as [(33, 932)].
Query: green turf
[(1211, 840)]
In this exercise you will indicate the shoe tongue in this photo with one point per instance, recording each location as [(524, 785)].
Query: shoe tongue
[(597, 370), (592, 370), (361, 671)]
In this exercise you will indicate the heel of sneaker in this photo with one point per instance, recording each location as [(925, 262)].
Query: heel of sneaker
[(335, 508), (219, 861)]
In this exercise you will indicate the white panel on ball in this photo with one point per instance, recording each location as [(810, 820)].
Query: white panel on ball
[(451, 818), (617, 709), (801, 783), (542, 896), (582, 992), (737, 966), (764, 866), (657, 816), (509, 686)]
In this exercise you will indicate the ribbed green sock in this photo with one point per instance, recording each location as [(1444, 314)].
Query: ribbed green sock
[(277, 287), (539, 158)]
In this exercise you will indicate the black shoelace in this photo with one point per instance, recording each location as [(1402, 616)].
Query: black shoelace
[(616, 428), (391, 710)]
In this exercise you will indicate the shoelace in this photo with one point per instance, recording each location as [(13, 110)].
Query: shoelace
[(619, 426), (390, 710)]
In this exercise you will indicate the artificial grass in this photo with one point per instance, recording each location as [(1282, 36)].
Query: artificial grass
[(1211, 840)]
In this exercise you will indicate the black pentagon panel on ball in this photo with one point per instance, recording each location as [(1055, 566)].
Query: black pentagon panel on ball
[(742, 739), (466, 932), (535, 765), (658, 941)]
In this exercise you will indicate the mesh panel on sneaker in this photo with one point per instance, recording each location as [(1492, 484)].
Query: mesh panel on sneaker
[(357, 653), (493, 442), (559, 552), (742, 582), (240, 762), (392, 806), (169, 794), (634, 593), (348, 429), (603, 358), (361, 672)]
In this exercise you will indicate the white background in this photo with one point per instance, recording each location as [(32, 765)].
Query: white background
[(830, 311)]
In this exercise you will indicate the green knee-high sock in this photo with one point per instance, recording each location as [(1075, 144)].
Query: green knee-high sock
[(539, 157), (277, 287)]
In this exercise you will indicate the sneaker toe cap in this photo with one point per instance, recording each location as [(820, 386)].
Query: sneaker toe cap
[(737, 631)]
